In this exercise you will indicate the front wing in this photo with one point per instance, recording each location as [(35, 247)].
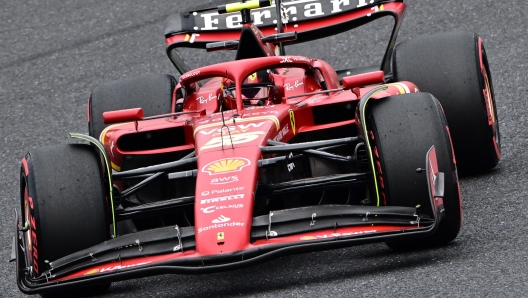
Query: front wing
[(170, 250)]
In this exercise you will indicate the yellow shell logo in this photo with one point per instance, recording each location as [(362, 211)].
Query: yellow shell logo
[(226, 165), (93, 271)]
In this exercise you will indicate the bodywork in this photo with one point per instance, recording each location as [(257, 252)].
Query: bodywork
[(221, 171)]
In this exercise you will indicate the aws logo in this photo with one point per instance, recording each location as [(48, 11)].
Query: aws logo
[(226, 165)]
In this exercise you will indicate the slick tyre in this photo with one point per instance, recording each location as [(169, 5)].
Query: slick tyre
[(454, 68), (401, 130), (63, 204), (153, 93)]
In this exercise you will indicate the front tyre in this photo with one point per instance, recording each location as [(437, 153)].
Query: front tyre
[(401, 130), (63, 204)]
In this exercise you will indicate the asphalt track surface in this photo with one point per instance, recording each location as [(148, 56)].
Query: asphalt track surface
[(53, 52)]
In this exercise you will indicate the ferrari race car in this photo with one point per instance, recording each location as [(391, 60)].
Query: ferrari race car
[(266, 155)]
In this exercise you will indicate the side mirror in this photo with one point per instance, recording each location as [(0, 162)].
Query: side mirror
[(119, 116), (364, 79)]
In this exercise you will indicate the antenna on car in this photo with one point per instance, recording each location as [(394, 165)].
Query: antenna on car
[(222, 128), (278, 7), (228, 131)]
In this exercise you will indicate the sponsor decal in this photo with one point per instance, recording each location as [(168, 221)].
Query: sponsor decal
[(239, 128), (33, 244), (289, 59), (24, 163), (219, 122), (298, 59), (31, 236), (93, 271), (118, 267), (203, 100), (214, 208), (292, 120), (334, 235), (226, 165), (433, 175), (190, 38), (291, 165), (221, 219), (376, 9), (432, 171), (221, 225), (286, 60), (220, 236), (290, 87), (233, 139), (301, 10), (263, 113), (222, 191), (316, 99), (259, 107), (282, 133), (224, 180), (222, 199), (252, 77), (402, 88), (189, 75), (112, 148)]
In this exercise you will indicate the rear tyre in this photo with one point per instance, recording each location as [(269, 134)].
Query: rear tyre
[(63, 204), (401, 130), (153, 93), (454, 68)]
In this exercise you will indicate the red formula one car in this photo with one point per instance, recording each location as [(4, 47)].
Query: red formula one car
[(266, 155)]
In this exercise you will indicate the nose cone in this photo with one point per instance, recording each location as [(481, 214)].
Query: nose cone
[(225, 189)]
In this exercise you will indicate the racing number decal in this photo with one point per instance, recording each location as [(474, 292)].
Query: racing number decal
[(292, 121)]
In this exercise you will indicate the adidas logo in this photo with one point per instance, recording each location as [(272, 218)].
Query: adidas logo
[(221, 219)]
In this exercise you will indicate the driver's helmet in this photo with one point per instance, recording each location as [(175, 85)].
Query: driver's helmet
[(255, 89)]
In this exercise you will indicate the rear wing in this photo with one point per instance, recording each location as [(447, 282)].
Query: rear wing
[(311, 19)]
